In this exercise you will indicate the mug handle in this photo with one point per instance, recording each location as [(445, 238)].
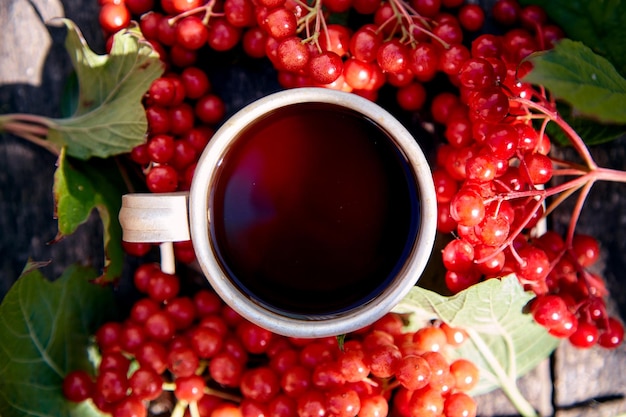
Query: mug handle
[(155, 218)]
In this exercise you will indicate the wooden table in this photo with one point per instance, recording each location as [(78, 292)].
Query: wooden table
[(33, 68)]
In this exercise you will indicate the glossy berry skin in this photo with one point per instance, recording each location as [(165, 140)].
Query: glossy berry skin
[(458, 255), (112, 385), (78, 386), (548, 310), (413, 372), (426, 402), (506, 12), (260, 384), (459, 404), (114, 17), (613, 335), (467, 208), (465, 373), (145, 384), (476, 73), (585, 336), (471, 17), (130, 407), (280, 23), (325, 68), (189, 388), (535, 265)]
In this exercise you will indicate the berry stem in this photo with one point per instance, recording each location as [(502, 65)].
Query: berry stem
[(513, 234), (179, 409), (506, 380), (30, 127), (576, 213), (223, 395), (559, 199), (562, 191), (207, 9), (193, 409), (304, 24), (573, 136)]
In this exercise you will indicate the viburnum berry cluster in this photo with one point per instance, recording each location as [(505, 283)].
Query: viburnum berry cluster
[(209, 361), (493, 183)]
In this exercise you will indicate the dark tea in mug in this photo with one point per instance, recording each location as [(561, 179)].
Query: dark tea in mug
[(313, 210)]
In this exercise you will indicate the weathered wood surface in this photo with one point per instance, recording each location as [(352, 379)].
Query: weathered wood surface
[(33, 67)]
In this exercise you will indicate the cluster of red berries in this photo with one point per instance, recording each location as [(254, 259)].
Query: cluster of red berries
[(215, 363), (403, 44), (492, 183)]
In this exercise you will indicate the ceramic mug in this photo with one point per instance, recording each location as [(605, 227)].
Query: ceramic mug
[(312, 212)]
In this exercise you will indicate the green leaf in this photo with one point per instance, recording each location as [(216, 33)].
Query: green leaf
[(505, 342), (44, 333), (81, 187), (109, 117), (588, 82), (599, 24)]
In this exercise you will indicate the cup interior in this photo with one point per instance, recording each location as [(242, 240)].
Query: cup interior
[(312, 212)]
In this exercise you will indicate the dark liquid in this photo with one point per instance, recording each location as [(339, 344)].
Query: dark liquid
[(314, 210)]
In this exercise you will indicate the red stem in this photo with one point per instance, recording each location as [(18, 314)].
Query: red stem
[(576, 213), (574, 138)]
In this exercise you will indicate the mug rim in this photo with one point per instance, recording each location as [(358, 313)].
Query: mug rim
[(350, 320)]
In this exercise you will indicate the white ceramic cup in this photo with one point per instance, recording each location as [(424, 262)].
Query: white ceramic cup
[(151, 217)]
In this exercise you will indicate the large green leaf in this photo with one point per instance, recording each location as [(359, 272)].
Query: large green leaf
[(588, 82), (109, 117), (505, 342), (44, 333), (599, 24), (81, 187)]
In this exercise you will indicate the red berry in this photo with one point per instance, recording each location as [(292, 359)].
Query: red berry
[(392, 56), (426, 402), (537, 168), (490, 104), (145, 384), (585, 336), (465, 373), (138, 249), (586, 249), (78, 386), (112, 385), (163, 286), (549, 310), (613, 335), (534, 266), (130, 407), (189, 388), (292, 54), (467, 208), (476, 73), (343, 402), (412, 96), (162, 179), (260, 384), (471, 17), (280, 23), (459, 404), (506, 12), (413, 372), (114, 17), (325, 67)]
